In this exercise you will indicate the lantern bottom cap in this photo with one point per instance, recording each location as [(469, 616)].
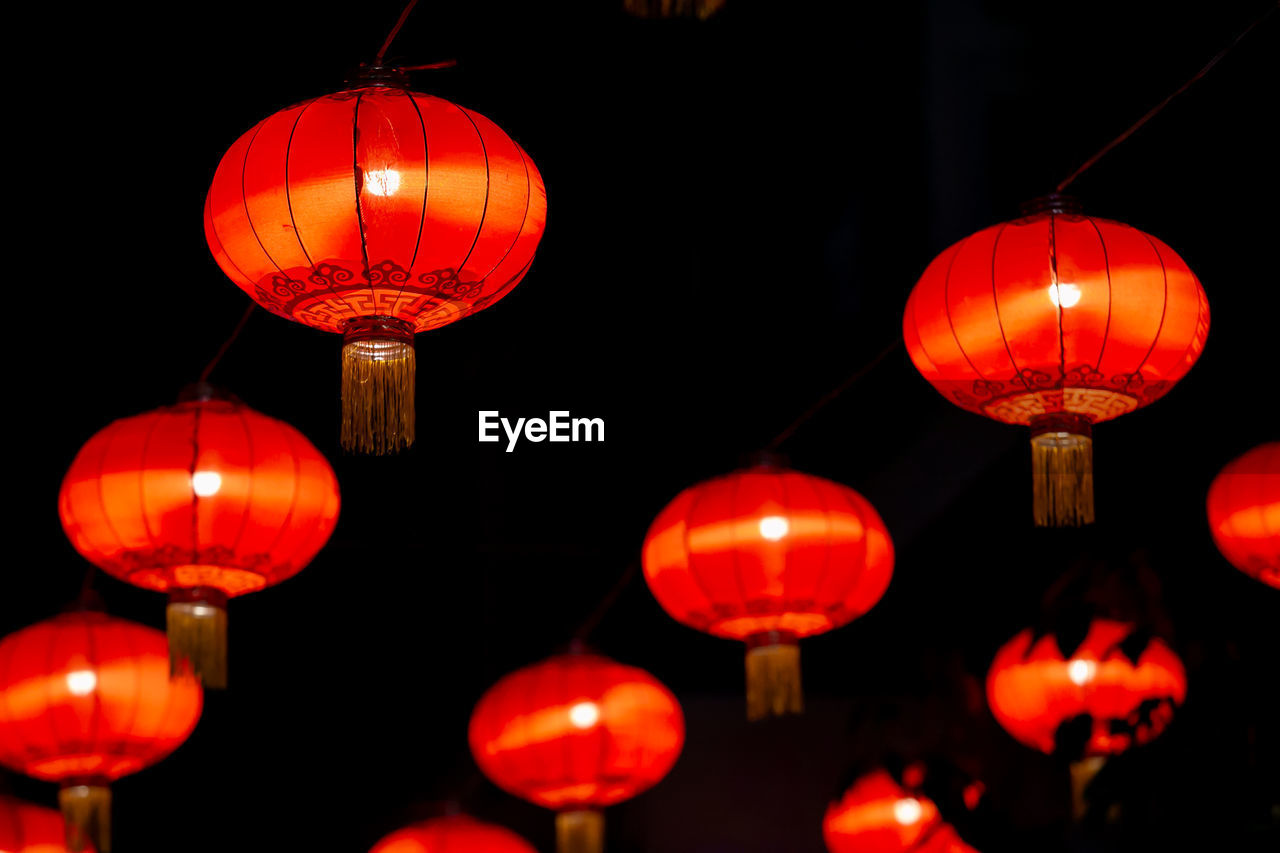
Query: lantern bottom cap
[(1062, 471), (773, 678), (86, 811)]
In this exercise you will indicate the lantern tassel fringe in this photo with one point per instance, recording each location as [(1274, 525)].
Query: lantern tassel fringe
[(580, 831), (773, 680), (86, 811), (1062, 476), (1082, 773), (378, 381), (198, 640)]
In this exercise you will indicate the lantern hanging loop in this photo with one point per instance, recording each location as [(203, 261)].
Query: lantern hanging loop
[(1151, 113), (395, 31)]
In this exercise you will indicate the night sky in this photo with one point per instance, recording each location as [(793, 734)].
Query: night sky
[(737, 212)]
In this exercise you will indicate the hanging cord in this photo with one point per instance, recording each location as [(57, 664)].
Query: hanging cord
[(1160, 106), (395, 31), (831, 395), (226, 345), (610, 598)]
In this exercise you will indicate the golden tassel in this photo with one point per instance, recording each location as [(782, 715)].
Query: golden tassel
[(1062, 470), (378, 385), (198, 635), (773, 676), (580, 831), (86, 811), (1082, 773)]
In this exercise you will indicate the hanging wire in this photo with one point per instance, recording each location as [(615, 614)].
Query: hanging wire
[(226, 345), (395, 31), (826, 399), (1160, 106)]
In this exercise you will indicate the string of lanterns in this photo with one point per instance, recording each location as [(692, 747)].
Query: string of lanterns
[(377, 212)]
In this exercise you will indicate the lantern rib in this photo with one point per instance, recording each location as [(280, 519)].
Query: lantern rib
[(995, 300), (688, 550), (1053, 271), (288, 200), (736, 550), (95, 722), (528, 199), (1164, 308), (47, 684), (129, 732), (293, 501), (484, 211), (102, 501), (1106, 265), (142, 484), (6, 749), (213, 231), (855, 580), (426, 186), (250, 470), (244, 200), (195, 498), (357, 178), (826, 552), (946, 308)]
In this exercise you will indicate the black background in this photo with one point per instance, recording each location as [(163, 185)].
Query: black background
[(737, 211)]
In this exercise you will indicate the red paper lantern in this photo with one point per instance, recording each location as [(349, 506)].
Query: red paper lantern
[(700, 9), (205, 500), (768, 556), (576, 733), (27, 828), (877, 815), (1244, 513), (1120, 692), (1056, 321), (453, 834), (375, 212), (86, 698)]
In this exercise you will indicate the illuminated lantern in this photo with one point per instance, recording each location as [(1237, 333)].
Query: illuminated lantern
[(453, 834), (1056, 321), (1116, 690), (86, 698), (700, 9), (204, 500), (1244, 513), (26, 828), (768, 555), (576, 733), (877, 815), (375, 212)]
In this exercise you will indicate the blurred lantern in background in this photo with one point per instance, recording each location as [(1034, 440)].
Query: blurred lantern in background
[(86, 698), (1244, 513), (1117, 689), (700, 9), (27, 828), (204, 500), (1056, 321), (879, 815), (768, 555), (576, 733), (453, 834), (375, 212)]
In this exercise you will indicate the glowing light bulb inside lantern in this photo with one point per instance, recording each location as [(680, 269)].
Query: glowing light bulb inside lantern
[(382, 182), (907, 811), (82, 682), (206, 483), (1064, 295), (1081, 672), (774, 527), (584, 715)]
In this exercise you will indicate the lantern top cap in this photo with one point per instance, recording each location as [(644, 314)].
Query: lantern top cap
[(377, 74), (771, 459), (203, 392), (1052, 203)]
